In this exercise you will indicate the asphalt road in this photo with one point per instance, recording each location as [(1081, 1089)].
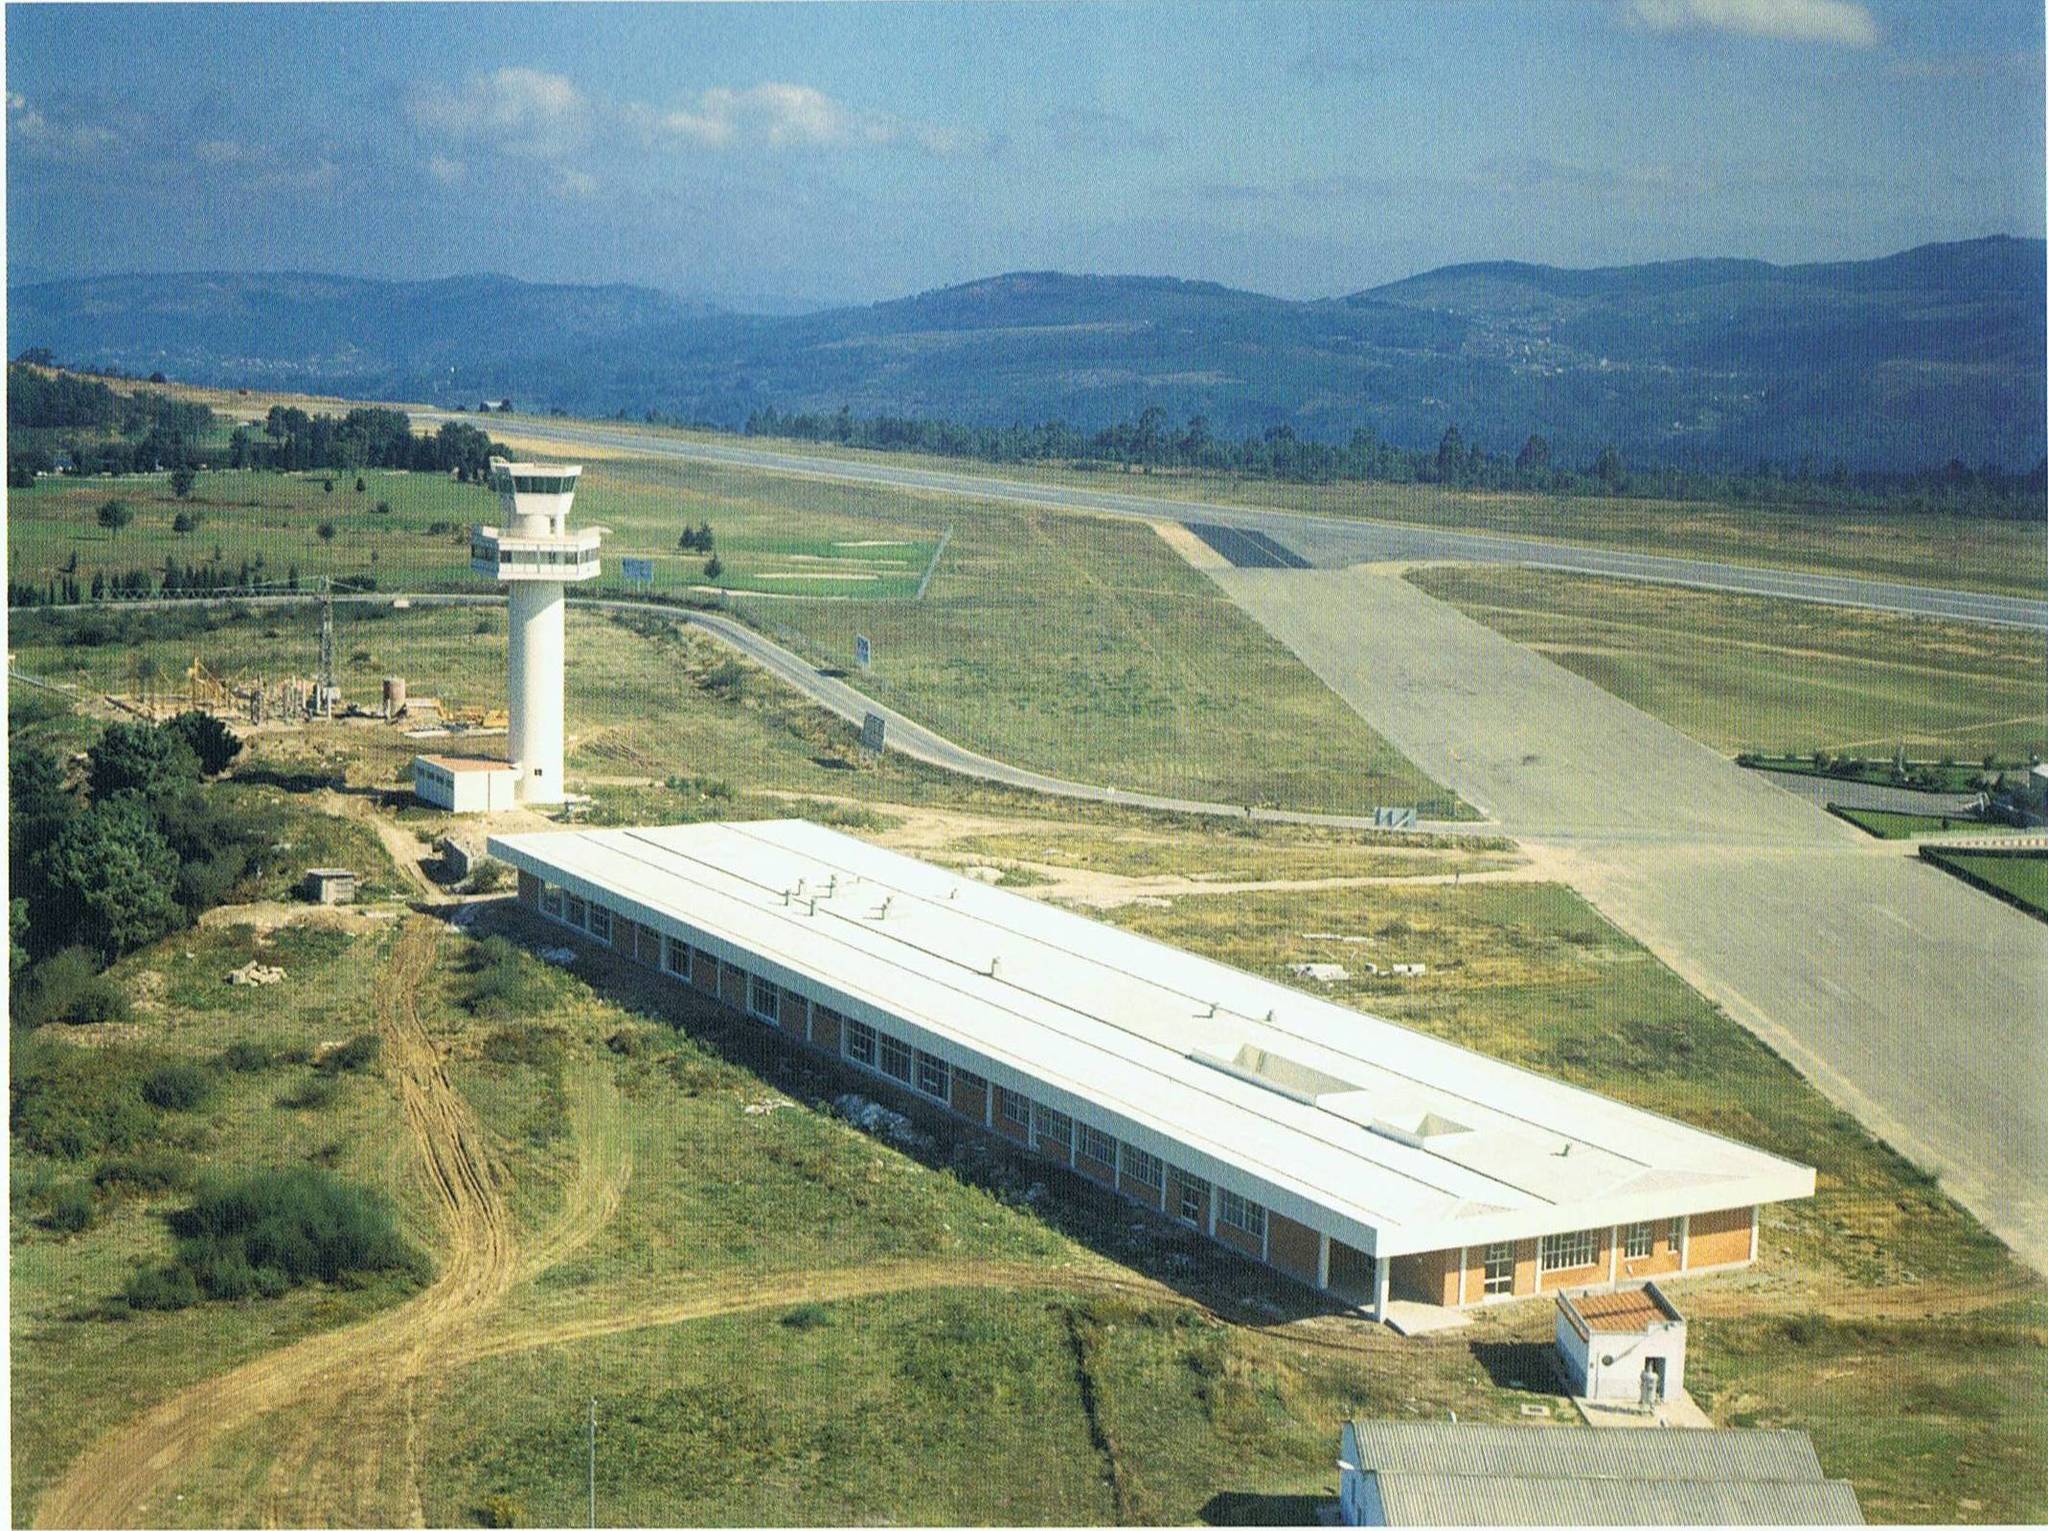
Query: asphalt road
[(1910, 999), (1328, 542)]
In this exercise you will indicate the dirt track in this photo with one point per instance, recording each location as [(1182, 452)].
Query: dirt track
[(352, 1390)]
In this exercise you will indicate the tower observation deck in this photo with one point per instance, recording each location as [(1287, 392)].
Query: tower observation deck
[(535, 556)]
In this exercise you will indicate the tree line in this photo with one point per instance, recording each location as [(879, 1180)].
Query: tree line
[(59, 419), (1152, 440), (294, 441), (137, 849)]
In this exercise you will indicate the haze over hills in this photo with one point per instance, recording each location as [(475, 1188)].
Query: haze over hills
[(1905, 361)]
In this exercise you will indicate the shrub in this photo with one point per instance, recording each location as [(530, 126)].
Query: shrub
[(161, 1289), (177, 1087), (383, 507), (503, 983), (360, 485), (247, 1057), (537, 1046), (300, 1225), (489, 876), (355, 1055), (727, 678), (71, 1208), (70, 988), (325, 531), (69, 1103), (142, 1173), (311, 1095), (807, 1315), (499, 1510)]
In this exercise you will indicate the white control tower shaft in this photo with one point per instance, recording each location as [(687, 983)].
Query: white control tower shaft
[(535, 556)]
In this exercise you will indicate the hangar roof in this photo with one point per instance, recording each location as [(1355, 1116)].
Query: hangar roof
[(1388, 1138)]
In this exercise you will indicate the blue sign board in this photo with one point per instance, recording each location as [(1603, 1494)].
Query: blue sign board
[(638, 571), (863, 651)]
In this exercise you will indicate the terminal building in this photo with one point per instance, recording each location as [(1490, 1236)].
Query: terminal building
[(1356, 1155)]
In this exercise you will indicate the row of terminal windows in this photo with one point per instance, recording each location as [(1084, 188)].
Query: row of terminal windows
[(533, 483), (1047, 1128), (1043, 1126), (533, 558)]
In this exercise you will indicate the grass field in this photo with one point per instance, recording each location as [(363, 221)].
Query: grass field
[(2019, 879), (2007, 557), (1907, 826), (1153, 682), (77, 1372), (421, 542), (1744, 673)]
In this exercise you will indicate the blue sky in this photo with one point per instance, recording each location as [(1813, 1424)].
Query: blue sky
[(854, 152)]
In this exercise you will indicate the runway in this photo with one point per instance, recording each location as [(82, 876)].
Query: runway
[(1914, 1002), (1327, 542)]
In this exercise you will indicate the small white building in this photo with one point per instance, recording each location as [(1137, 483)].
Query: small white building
[(1621, 1347), (464, 784)]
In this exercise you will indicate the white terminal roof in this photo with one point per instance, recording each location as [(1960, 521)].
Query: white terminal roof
[(1392, 1140)]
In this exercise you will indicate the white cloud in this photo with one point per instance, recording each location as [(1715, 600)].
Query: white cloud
[(1844, 23), (779, 115), (522, 111), (37, 134), (575, 183), (448, 172)]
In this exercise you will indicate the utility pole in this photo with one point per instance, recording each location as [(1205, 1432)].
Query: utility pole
[(324, 688), (593, 1464)]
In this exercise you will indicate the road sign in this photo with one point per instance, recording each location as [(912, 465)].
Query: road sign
[(872, 732), (863, 651), (638, 571), (1393, 818)]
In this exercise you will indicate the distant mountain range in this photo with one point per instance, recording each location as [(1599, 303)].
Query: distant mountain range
[(1904, 361)]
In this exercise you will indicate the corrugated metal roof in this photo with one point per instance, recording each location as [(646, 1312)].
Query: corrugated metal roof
[(1438, 1449), (1428, 1499), (1412, 1144)]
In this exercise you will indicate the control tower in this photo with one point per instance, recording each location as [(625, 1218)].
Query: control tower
[(535, 555)]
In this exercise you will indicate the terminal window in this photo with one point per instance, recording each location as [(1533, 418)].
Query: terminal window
[(1568, 1251), (860, 1043), (1500, 1269), (896, 1058), (933, 1077), (1146, 1169), (1639, 1241), (1097, 1144)]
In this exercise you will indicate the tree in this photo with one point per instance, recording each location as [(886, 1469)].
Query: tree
[(114, 515), (713, 568), (111, 877), (360, 485), (1534, 456), (326, 530), (1610, 469), (137, 757), (182, 480), (183, 522), (210, 740), (1450, 456)]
